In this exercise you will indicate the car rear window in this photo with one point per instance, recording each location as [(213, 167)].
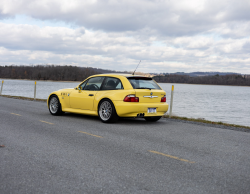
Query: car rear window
[(143, 83)]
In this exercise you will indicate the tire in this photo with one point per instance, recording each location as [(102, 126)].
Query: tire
[(107, 112), (55, 106), (152, 119)]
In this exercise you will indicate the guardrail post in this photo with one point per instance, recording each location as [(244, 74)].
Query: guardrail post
[(1, 88), (35, 91), (171, 102)]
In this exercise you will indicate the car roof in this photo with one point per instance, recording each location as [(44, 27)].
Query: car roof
[(120, 74)]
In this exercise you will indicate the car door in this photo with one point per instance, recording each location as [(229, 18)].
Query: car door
[(83, 97)]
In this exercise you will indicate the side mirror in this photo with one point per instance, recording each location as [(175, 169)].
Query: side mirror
[(78, 88)]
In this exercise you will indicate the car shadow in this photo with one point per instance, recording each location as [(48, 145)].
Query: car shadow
[(135, 121), (139, 121), (74, 115)]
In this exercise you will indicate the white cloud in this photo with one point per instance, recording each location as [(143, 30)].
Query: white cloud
[(168, 36), (168, 17)]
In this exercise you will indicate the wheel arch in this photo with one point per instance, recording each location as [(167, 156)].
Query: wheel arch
[(104, 98), (53, 94)]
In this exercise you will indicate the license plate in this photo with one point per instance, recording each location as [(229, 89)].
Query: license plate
[(151, 110)]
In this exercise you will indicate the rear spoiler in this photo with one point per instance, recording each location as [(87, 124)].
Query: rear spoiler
[(140, 78)]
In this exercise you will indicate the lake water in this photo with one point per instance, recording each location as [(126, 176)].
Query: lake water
[(229, 104)]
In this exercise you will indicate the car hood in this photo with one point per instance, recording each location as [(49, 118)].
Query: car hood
[(68, 90)]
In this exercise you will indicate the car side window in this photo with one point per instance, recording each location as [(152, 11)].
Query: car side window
[(93, 84), (112, 83), (83, 84)]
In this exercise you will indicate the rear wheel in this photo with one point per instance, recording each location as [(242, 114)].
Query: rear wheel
[(55, 106), (107, 112), (152, 119)]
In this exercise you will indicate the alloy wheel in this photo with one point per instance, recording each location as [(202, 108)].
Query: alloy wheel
[(53, 105), (105, 110)]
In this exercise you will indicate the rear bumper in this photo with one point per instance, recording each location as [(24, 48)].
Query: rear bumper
[(132, 109)]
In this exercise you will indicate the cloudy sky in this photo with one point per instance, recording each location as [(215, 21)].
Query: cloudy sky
[(167, 35)]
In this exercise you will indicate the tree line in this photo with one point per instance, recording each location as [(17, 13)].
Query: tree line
[(47, 72), (73, 73), (233, 79)]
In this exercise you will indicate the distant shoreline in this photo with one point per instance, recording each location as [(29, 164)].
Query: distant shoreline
[(39, 80), (201, 84)]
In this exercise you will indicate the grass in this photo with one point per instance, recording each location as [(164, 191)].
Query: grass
[(24, 98), (202, 120)]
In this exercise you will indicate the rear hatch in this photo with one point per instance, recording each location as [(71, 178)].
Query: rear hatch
[(146, 89), (149, 96)]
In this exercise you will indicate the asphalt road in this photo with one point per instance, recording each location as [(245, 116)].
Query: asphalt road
[(79, 154)]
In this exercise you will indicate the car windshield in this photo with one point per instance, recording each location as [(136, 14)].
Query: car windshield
[(143, 83)]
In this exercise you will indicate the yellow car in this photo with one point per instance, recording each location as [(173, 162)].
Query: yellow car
[(111, 96)]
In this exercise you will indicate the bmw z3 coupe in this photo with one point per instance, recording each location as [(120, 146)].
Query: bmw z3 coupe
[(111, 96)]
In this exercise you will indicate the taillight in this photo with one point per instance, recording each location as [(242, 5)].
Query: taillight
[(131, 98), (163, 99)]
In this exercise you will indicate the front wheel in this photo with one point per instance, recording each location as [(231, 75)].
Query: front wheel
[(107, 112), (55, 106), (152, 119)]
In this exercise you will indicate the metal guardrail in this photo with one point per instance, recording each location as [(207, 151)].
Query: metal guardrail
[(171, 101), (35, 91), (1, 88)]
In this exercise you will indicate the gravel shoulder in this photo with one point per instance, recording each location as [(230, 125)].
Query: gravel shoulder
[(242, 129)]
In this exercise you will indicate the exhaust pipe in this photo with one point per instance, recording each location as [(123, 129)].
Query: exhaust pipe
[(140, 115)]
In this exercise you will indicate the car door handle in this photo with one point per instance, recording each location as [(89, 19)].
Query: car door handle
[(91, 94)]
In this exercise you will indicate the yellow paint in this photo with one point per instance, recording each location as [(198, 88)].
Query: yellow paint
[(80, 111), (172, 87), (90, 134), (82, 103), (174, 157), (131, 109), (35, 82), (15, 114), (77, 99), (2, 81), (47, 122)]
